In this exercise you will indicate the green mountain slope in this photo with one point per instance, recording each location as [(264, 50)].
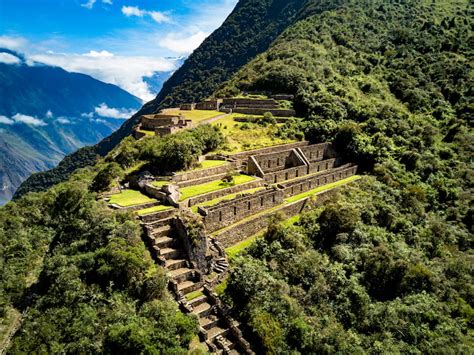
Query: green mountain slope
[(385, 266), (248, 31)]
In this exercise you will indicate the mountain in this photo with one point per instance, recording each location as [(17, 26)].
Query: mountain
[(156, 81), (382, 266), (47, 113), (249, 30)]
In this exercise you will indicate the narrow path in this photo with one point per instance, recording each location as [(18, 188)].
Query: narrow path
[(213, 119)]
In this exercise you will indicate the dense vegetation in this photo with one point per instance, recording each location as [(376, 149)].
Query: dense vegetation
[(363, 274), (96, 288), (85, 278), (387, 266), (80, 273), (248, 31)]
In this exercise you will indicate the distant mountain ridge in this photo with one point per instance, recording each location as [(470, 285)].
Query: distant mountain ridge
[(47, 113), (249, 30)]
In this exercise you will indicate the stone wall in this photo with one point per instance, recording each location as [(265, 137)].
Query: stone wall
[(155, 192), (137, 134), (274, 149), (300, 171), (271, 162), (221, 193), (197, 174), (209, 105), (156, 216), (187, 107), (195, 243), (232, 211), (321, 166), (311, 182), (315, 152), (243, 102), (262, 111), (151, 122), (241, 231)]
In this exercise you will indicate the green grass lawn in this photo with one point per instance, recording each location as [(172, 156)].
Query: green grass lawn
[(153, 209), (225, 198), (195, 294), (129, 198), (236, 249), (207, 164), (191, 191), (160, 183), (321, 188), (197, 116), (253, 138), (148, 133)]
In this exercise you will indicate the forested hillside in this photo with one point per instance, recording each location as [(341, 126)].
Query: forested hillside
[(385, 267), (248, 31)]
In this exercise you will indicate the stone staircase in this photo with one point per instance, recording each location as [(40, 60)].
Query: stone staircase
[(217, 330)]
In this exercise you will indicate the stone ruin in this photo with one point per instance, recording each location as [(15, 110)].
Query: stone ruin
[(191, 246), (247, 106), (161, 124)]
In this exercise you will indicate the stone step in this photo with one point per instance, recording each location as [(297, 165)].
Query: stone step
[(203, 310), (219, 269), (230, 342), (174, 264), (170, 253), (188, 286), (181, 274), (209, 322), (161, 231), (198, 300), (216, 331), (160, 223), (164, 242)]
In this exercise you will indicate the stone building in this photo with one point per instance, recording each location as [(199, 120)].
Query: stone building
[(212, 105), (163, 124), (187, 107)]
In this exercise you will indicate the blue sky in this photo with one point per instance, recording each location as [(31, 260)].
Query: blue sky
[(117, 41)]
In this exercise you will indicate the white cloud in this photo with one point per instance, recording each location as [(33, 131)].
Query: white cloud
[(101, 54), (6, 120), (126, 72), (14, 43), (63, 120), (87, 115), (8, 58), (29, 120), (49, 114), (183, 44), (158, 17), (104, 111), (132, 11), (89, 4)]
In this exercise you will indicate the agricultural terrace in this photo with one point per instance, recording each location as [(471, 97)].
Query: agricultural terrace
[(196, 190), (243, 136), (197, 116), (128, 198)]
